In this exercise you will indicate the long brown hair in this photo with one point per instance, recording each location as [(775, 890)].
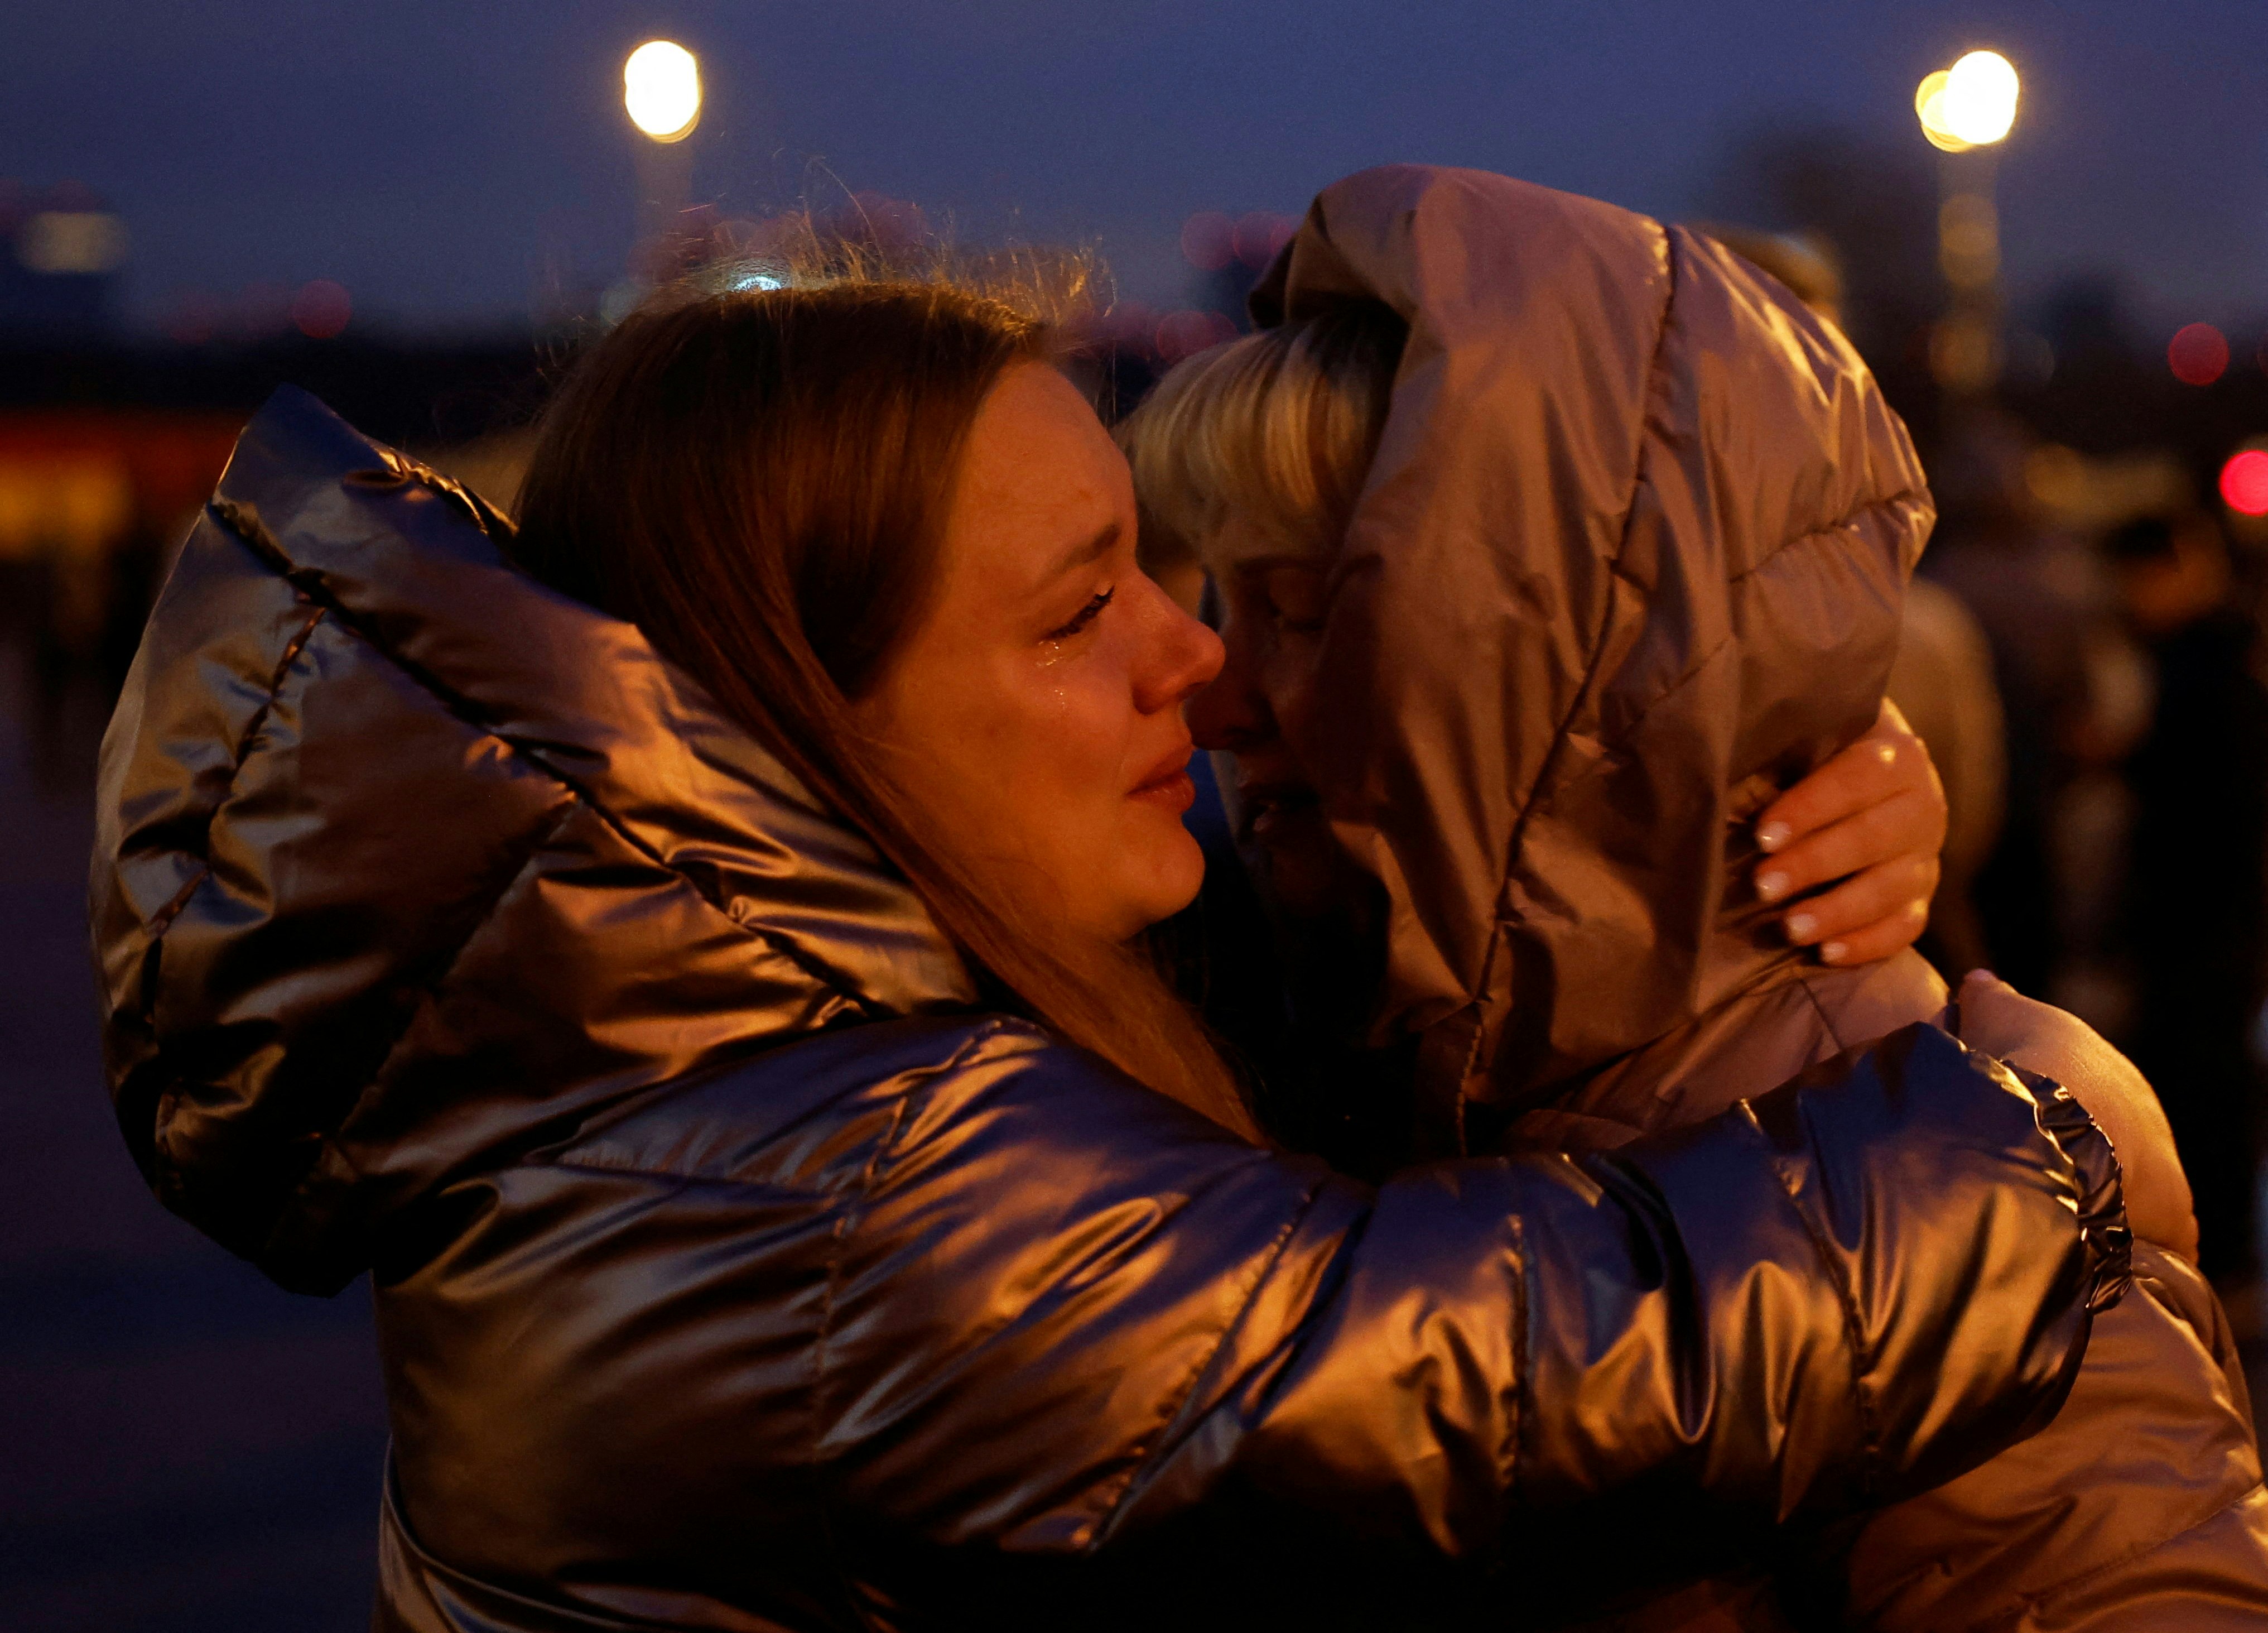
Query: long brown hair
[(758, 478)]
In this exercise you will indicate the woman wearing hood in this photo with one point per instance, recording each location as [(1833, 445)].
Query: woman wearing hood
[(1551, 544), (674, 948)]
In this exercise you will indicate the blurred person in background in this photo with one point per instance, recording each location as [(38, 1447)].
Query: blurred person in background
[(1549, 542), (2042, 892), (1941, 680), (2195, 918), (677, 948)]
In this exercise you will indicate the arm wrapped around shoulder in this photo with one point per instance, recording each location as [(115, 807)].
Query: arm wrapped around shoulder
[(1849, 1290), (1158, 1345)]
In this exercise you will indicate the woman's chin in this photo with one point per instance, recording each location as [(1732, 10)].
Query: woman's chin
[(1300, 872), (1171, 872)]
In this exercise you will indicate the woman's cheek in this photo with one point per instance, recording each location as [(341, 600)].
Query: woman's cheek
[(1288, 679)]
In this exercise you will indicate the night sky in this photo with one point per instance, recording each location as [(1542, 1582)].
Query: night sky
[(443, 158)]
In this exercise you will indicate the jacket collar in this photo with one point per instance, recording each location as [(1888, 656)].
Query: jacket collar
[(404, 861)]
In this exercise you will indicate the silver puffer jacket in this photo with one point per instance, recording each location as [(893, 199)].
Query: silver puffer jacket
[(1629, 561), (735, 1270)]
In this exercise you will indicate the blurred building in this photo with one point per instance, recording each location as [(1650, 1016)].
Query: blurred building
[(59, 274)]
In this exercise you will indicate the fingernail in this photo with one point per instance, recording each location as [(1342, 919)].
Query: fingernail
[(1772, 835), (1833, 952), (1771, 886), (1980, 973), (1887, 752), (1801, 927)]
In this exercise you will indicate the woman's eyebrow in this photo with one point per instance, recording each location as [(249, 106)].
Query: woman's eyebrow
[(1079, 554)]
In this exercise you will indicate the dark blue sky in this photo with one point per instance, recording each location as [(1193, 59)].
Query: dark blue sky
[(436, 156)]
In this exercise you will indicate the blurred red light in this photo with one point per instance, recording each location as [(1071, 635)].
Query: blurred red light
[(321, 309), (1260, 234), (1131, 324), (193, 319), (2198, 355), (2244, 482), (1184, 333), (1209, 241), (262, 311)]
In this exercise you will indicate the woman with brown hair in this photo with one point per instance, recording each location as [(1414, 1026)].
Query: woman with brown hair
[(676, 948)]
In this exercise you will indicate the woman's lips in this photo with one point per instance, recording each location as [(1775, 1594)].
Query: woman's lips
[(1267, 808), (1168, 783), (1176, 793)]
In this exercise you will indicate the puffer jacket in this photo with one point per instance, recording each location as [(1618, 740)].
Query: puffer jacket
[(735, 1270), (1629, 562)]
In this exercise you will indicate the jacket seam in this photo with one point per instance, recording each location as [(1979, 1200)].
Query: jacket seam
[(646, 1170), (329, 1145), (162, 920), (1523, 1393), (853, 1209), (1584, 694), (2023, 1602), (310, 582), (159, 923), (1862, 1359), (1826, 1021), (1151, 1453), (1693, 670), (1841, 523)]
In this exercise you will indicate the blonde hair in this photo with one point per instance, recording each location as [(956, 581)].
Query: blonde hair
[(1277, 428)]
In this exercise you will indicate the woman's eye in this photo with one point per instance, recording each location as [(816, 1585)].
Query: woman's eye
[(1086, 615), (1295, 596)]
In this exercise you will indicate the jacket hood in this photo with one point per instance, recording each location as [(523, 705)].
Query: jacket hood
[(1629, 561), (404, 859)]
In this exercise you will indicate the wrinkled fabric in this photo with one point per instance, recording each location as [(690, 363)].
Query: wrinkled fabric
[(1630, 562), (733, 1271)]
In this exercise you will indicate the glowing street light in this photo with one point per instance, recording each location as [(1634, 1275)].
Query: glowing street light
[(1967, 107), (661, 88), (1972, 104), (1929, 107)]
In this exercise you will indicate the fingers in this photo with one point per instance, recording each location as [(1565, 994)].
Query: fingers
[(1980, 983), (1892, 831), (1871, 915), (1887, 764)]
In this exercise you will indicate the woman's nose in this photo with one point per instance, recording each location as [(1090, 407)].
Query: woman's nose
[(1186, 656), (1233, 713)]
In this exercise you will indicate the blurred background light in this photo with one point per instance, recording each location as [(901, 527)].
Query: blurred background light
[(2198, 354), (1259, 235), (661, 89), (321, 309), (1209, 241), (1978, 103), (1929, 105), (1969, 240), (1186, 333), (71, 241), (2244, 481)]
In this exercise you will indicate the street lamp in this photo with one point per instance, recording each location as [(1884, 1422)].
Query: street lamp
[(661, 90), (1964, 110), (1972, 104), (661, 93)]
